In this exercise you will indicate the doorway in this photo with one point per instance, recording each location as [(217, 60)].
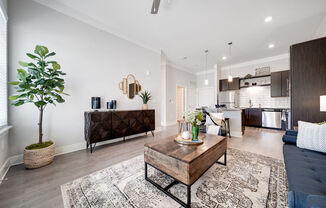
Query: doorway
[(181, 102)]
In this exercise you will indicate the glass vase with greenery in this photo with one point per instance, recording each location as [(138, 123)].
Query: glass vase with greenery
[(194, 118), (39, 82)]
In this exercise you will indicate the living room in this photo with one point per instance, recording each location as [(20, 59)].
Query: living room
[(218, 99)]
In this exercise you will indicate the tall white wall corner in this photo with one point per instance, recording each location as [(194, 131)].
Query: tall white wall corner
[(163, 84)]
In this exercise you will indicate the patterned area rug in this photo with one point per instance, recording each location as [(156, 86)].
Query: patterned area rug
[(248, 180)]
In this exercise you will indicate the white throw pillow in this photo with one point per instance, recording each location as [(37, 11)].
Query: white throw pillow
[(311, 136), (213, 129)]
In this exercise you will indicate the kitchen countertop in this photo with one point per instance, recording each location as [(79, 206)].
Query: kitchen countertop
[(265, 108)]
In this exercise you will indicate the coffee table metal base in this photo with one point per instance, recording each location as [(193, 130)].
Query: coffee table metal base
[(176, 181)]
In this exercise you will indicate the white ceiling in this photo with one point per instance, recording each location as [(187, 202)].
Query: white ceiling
[(188, 27)]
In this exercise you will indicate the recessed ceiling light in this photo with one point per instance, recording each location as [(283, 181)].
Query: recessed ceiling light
[(271, 45), (268, 19), (224, 58), (185, 57)]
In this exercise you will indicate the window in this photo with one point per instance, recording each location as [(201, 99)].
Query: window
[(3, 68)]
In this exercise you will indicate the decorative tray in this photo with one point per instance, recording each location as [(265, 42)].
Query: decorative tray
[(180, 140)]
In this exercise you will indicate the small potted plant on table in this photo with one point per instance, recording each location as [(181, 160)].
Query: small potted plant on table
[(195, 118), (145, 96), (41, 84)]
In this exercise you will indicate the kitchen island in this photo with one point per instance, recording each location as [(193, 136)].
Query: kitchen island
[(236, 120)]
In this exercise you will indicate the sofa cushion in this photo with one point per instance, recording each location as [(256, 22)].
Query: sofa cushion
[(288, 139), (291, 132), (311, 136), (306, 170), (314, 201)]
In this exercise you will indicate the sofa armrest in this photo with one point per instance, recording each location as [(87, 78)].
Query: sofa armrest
[(288, 139), (291, 133), (316, 201)]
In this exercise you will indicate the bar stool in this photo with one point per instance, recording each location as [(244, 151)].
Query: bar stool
[(227, 127)]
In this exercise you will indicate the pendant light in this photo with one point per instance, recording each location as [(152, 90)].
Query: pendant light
[(206, 80), (230, 78)]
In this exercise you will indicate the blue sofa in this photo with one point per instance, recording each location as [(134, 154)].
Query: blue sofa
[(306, 173)]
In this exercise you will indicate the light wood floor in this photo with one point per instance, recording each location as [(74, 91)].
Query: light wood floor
[(41, 187)]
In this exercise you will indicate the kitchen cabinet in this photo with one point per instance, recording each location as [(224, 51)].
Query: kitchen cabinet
[(252, 117), (225, 85), (280, 84), (285, 83)]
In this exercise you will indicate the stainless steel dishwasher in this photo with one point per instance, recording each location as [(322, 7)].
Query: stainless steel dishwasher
[(272, 118)]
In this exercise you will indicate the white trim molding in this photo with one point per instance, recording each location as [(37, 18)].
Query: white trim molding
[(257, 61), (178, 67), (4, 130), (208, 72)]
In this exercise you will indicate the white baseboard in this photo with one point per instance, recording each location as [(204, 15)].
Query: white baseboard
[(236, 133), (18, 159), (4, 169)]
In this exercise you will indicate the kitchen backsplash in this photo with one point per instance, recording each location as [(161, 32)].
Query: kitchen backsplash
[(261, 95)]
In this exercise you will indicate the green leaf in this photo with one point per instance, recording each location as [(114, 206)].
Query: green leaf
[(23, 64), (40, 103), (56, 66), (18, 103), (13, 83), (50, 54), (14, 97), (22, 74), (32, 56), (41, 50)]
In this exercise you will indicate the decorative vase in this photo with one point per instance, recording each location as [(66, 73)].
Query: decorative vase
[(145, 106), (185, 135), (38, 157), (195, 130)]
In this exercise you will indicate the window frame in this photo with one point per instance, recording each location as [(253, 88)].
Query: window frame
[(4, 16)]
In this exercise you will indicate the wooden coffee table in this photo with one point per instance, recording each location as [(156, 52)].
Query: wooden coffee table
[(185, 164)]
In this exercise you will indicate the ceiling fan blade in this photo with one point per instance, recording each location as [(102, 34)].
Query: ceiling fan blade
[(155, 6)]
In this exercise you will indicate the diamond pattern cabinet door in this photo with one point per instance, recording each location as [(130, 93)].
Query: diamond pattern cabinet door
[(120, 124), (136, 122), (98, 126), (149, 120)]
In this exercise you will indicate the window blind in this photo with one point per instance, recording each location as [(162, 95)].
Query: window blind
[(3, 71)]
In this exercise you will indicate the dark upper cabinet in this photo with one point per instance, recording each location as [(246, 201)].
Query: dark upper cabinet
[(276, 84), (252, 117), (225, 85), (280, 84), (285, 83), (235, 84)]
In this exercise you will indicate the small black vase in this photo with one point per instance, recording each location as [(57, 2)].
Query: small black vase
[(96, 103)]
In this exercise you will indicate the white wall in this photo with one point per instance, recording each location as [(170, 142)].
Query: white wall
[(259, 95), (95, 62), (206, 94), (174, 78)]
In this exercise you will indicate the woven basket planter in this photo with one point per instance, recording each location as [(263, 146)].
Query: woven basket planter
[(39, 157)]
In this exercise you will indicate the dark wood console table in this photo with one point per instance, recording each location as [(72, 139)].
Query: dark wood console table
[(106, 125)]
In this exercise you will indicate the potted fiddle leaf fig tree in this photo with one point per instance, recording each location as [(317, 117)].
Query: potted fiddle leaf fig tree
[(145, 96), (39, 82)]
